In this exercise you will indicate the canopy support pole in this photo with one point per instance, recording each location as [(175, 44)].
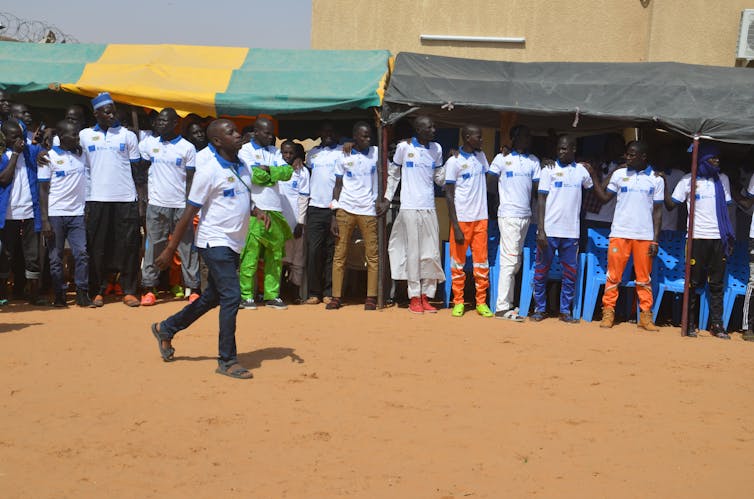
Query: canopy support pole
[(689, 239), (382, 138)]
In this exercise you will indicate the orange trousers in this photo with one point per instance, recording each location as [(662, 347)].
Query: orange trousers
[(618, 253), (475, 235)]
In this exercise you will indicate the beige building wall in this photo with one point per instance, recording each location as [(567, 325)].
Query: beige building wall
[(693, 31)]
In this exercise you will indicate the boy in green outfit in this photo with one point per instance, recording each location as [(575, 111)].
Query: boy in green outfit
[(267, 169)]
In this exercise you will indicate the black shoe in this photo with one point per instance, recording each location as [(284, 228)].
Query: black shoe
[(691, 330), (277, 304), (569, 319), (82, 298), (537, 316), (60, 300), (718, 331)]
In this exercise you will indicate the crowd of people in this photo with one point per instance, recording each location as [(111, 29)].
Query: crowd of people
[(229, 211)]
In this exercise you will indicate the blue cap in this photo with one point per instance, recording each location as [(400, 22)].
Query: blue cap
[(102, 99)]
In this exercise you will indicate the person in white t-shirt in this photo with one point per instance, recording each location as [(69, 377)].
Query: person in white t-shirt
[(20, 218), (295, 196), (635, 230), (746, 201), (172, 162), (414, 245), (221, 191), (112, 210), (713, 237), (559, 204), (267, 169), (466, 195), (320, 242), (354, 203), (62, 188), (512, 176)]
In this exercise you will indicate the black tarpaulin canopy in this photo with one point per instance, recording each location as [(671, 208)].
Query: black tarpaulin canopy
[(710, 101)]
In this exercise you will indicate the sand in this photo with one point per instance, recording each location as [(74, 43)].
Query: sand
[(351, 403)]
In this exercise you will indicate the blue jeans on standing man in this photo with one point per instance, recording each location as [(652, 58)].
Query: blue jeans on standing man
[(222, 289), (72, 228), (568, 251)]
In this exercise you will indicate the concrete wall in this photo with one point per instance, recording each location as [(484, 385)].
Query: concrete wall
[(695, 31)]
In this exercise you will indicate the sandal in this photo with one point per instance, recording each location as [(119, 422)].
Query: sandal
[(234, 371), (510, 315), (333, 304), (370, 303), (166, 353), (98, 301)]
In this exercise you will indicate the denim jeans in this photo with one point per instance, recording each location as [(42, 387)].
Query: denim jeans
[(74, 229), (568, 251), (222, 289)]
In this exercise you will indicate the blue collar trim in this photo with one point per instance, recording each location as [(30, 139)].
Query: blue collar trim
[(415, 142), (573, 164), (516, 153), (464, 153), (223, 162), (173, 141)]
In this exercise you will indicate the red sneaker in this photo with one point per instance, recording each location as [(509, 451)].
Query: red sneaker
[(193, 297), (148, 299), (415, 306), (426, 305)]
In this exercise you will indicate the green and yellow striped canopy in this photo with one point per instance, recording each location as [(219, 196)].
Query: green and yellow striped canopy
[(208, 81)]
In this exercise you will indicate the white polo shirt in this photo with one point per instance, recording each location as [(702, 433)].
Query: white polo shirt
[(67, 176), (20, 204), (166, 182), (636, 194), (292, 190), (516, 172), (224, 202), (705, 212), (359, 174), (108, 156), (266, 198), (563, 186), (417, 164), (750, 194), (467, 172), (321, 162)]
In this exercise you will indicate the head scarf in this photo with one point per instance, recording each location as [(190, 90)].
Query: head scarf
[(707, 170)]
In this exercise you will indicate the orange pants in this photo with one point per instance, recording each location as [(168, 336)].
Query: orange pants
[(474, 234), (618, 253)]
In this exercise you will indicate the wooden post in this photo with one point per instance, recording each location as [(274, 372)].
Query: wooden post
[(689, 239)]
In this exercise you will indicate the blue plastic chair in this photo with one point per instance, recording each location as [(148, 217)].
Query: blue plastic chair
[(594, 261), (736, 279), (555, 274), (669, 273)]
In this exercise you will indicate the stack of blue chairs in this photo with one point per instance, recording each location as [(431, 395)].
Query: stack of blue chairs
[(594, 261), (668, 273), (736, 278)]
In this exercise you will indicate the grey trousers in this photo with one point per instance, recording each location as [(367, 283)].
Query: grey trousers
[(160, 224)]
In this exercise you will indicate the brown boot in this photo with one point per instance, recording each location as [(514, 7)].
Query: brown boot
[(608, 317), (645, 321)]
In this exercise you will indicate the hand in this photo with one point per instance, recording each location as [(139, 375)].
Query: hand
[(458, 234), (18, 145), (47, 230), (42, 158), (263, 217), (334, 227), (505, 150), (589, 168), (653, 247), (297, 164), (165, 258), (382, 206), (454, 152), (347, 148), (263, 167), (298, 231), (548, 163), (541, 239)]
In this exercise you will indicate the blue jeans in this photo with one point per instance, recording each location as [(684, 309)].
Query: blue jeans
[(222, 289), (73, 229), (568, 252)]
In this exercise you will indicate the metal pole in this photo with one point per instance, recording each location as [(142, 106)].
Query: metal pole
[(689, 239), (382, 137)]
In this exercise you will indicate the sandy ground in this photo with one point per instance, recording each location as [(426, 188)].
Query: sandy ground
[(369, 404)]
